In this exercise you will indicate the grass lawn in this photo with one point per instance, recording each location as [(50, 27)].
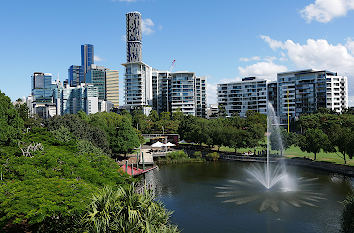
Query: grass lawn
[(295, 151), (322, 156)]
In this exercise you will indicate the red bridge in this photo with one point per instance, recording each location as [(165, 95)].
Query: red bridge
[(136, 171)]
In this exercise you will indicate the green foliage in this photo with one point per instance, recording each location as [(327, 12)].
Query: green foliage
[(348, 215), (86, 147), (62, 134), (80, 128), (53, 185), (39, 200), (123, 210), (313, 141), (197, 154), (176, 155), (11, 124), (213, 156), (123, 138)]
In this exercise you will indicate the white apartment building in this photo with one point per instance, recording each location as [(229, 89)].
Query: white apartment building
[(239, 97), (305, 91), (138, 85)]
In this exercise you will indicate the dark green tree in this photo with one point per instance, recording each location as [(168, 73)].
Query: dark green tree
[(11, 124), (313, 141)]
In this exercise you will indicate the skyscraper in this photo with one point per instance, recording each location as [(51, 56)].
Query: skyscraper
[(74, 75), (42, 89), (96, 75), (112, 87), (134, 36), (87, 59)]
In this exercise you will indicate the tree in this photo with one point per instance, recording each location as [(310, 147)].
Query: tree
[(11, 124), (313, 141), (122, 137), (154, 116), (81, 129), (123, 210)]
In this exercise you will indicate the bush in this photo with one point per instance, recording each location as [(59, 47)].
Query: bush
[(213, 156), (197, 154), (348, 215), (176, 155)]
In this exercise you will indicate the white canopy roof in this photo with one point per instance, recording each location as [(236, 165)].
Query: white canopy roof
[(157, 144), (169, 144)]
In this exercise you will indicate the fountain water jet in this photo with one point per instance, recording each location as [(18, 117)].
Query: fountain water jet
[(269, 176)]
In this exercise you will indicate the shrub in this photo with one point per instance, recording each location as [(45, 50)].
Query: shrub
[(348, 215), (175, 155), (197, 154), (213, 156)]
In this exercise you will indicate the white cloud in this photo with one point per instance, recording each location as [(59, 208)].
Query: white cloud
[(274, 44), (324, 11), (147, 26), (319, 54), (97, 58), (350, 45), (246, 59), (263, 69), (211, 93), (351, 101)]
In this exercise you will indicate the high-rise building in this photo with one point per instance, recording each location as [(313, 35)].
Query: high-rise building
[(112, 87), (42, 88), (200, 96), (147, 88), (138, 85), (273, 94), (96, 75), (306, 91), (240, 97), (74, 75), (183, 92), (87, 59), (134, 37)]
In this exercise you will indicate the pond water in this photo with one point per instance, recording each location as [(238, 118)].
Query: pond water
[(220, 197)]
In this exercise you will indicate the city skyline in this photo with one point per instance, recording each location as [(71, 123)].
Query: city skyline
[(232, 44)]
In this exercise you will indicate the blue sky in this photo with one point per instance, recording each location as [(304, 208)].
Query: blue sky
[(223, 40)]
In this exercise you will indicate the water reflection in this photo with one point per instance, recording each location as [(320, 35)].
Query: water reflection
[(302, 193)]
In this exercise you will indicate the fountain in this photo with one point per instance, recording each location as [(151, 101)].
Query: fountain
[(269, 177), (271, 182)]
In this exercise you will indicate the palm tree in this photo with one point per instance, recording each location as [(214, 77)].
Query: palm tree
[(123, 210)]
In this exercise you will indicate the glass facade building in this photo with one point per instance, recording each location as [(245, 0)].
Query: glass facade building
[(42, 87), (87, 59), (74, 75)]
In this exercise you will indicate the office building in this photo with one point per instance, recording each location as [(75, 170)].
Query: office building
[(87, 59), (250, 94), (112, 87), (42, 87), (134, 37), (96, 75), (306, 91), (74, 75)]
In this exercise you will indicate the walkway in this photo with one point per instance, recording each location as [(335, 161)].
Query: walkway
[(136, 171)]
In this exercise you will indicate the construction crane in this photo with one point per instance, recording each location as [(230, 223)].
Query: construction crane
[(172, 65)]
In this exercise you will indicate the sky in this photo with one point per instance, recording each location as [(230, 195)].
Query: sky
[(223, 40)]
